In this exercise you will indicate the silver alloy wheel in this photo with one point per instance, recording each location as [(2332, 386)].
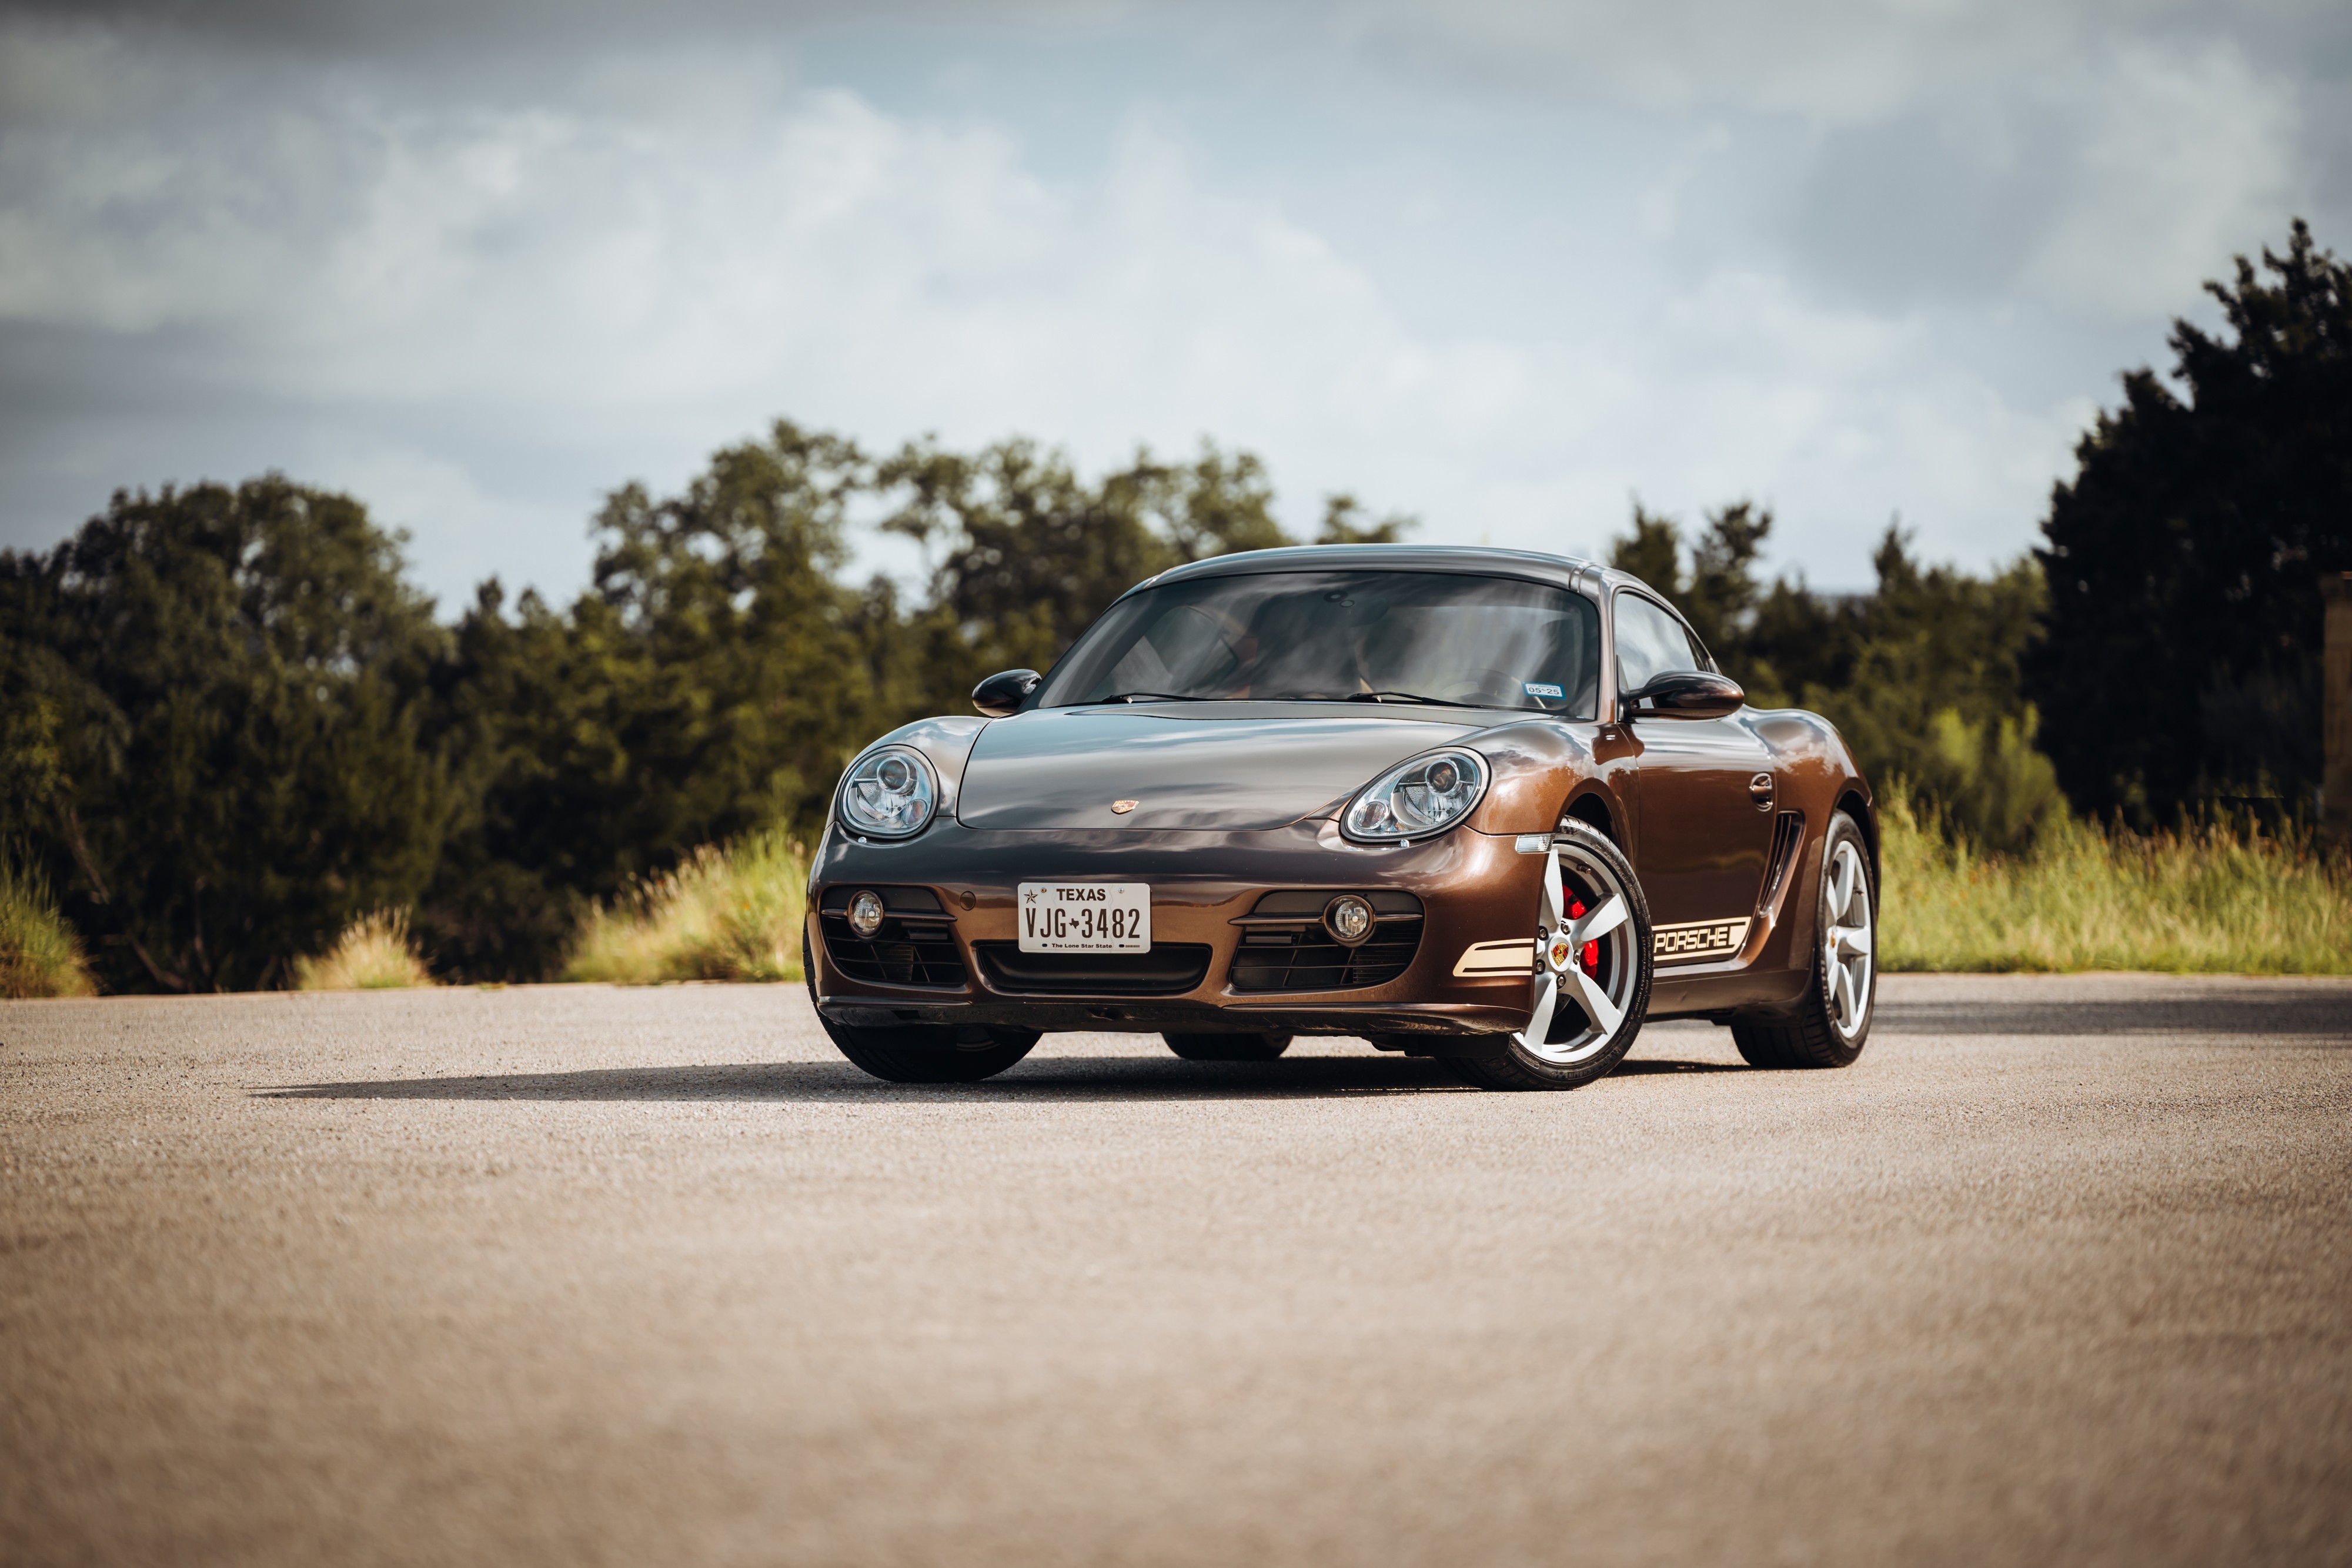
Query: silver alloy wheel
[(1581, 904), (1849, 939)]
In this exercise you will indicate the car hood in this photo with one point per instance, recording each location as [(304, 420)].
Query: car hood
[(1227, 766)]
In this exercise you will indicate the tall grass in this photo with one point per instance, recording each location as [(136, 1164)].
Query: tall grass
[(374, 953), (2201, 901), (727, 913), (39, 954)]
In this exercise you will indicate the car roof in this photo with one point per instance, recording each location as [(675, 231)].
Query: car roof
[(1571, 572)]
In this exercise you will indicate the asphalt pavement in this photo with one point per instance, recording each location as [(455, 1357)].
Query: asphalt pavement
[(2060, 1272)]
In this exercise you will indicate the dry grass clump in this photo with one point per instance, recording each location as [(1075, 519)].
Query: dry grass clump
[(39, 954), (727, 913), (374, 953), (2200, 901)]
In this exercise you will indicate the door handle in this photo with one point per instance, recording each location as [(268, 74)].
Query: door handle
[(1760, 789)]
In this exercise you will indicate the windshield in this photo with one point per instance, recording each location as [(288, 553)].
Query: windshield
[(1341, 636)]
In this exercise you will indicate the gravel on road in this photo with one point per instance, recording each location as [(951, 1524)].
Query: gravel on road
[(2060, 1272)]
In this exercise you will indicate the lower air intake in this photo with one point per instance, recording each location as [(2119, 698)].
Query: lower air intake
[(1169, 970), (1284, 947)]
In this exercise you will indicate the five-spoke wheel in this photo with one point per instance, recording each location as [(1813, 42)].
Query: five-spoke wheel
[(1827, 1027), (1592, 979), (1847, 940)]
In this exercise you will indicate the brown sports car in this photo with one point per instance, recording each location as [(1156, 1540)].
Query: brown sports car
[(1483, 805)]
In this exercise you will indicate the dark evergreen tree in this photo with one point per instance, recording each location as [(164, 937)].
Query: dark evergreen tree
[(1921, 676), (2180, 663)]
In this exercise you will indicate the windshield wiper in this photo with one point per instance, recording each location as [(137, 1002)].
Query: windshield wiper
[(1152, 697), (1402, 697)]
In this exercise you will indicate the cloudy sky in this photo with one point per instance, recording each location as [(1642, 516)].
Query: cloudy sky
[(1504, 266)]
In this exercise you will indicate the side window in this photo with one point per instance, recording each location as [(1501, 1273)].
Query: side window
[(1649, 644)]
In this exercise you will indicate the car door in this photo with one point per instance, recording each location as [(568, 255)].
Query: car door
[(1704, 827)]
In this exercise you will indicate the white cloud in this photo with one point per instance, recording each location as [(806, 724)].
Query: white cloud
[(454, 295), (2190, 156), (1834, 62)]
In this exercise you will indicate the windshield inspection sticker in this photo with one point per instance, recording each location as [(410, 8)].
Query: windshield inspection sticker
[(1539, 689)]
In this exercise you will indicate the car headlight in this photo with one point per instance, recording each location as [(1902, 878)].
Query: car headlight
[(890, 794), (1425, 796)]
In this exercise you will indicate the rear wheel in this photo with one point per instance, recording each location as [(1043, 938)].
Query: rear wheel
[(1592, 981), (922, 1053), (1227, 1047), (1830, 1027)]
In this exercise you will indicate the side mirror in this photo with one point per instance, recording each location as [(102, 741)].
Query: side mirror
[(1001, 695), (1684, 693)]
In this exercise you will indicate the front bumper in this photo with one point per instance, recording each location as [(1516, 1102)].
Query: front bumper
[(1473, 888)]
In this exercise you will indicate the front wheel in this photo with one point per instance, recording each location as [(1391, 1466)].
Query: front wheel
[(1592, 981), (1830, 1026), (1227, 1047), (931, 1053), (921, 1053)]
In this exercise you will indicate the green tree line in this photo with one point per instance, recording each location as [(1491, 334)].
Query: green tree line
[(232, 724)]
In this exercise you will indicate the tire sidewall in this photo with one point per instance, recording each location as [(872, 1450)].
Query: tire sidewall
[(1841, 1048)]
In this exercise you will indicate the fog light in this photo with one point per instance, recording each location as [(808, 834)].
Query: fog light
[(866, 913), (1349, 919)]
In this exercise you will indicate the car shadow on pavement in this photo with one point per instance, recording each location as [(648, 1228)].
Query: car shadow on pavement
[(2319, 1012), (1046, 1079)]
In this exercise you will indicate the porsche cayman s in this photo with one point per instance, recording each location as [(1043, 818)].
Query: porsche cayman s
[(1487, 806)]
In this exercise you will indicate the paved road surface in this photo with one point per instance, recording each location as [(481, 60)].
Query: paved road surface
[(2061, 1272)]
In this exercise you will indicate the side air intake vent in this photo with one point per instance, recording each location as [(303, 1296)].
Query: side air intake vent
[(1787, 833)]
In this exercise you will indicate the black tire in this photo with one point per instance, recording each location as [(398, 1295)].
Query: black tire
[(1811, 1035), (1501, 1061), (921, 1053), (1227, 1047)]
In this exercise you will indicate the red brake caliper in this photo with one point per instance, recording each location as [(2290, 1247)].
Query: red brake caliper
[(1591, 956)]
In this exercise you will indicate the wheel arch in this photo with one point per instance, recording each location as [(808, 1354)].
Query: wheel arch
[(1592, 808), (1855, 803)]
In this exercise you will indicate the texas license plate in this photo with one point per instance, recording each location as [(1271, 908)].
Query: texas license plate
[(1086, 917)]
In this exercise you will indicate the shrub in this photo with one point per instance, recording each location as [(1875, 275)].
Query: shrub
[(39, 956), (729, 913), (374, 953)]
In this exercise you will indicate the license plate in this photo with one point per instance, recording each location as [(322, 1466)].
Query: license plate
[(1086, 917)]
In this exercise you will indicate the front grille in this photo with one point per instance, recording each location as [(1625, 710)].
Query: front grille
[(1168, 969), (915, 947), (1284, 947)]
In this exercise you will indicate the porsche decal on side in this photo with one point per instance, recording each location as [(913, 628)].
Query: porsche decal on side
[(1697, 939)]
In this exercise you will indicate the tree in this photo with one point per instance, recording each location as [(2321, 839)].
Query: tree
[(1653, 552), (1719, 595), (1028, 554), (1931, 692), (1344, 523), (217, 700), (227, 725), (1921, 677), (713, 680), (2180, 659)]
